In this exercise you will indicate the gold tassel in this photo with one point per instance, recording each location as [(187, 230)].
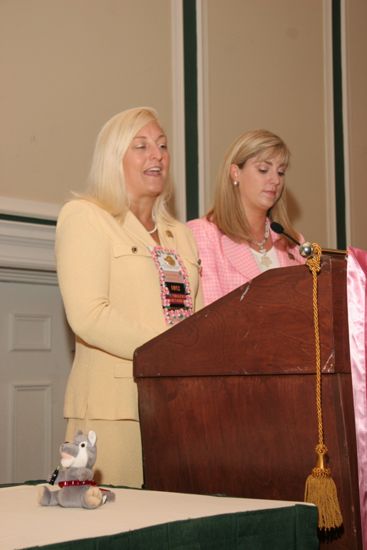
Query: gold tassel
[(320, 487), (321, 491)]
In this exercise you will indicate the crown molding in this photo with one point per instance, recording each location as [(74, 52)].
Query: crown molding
[(27, 276), (31, 209), (26, 246)]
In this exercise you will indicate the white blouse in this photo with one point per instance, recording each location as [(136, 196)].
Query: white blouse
[(267, 260)]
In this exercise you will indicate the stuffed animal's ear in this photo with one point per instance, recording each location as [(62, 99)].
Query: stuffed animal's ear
[(92, 437)]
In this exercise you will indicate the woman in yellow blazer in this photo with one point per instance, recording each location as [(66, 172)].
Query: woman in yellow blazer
[(127, 271)]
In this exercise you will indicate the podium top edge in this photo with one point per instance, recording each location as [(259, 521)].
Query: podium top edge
[(334, 251)]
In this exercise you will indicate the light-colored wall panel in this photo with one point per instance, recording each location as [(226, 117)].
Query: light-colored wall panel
[(36, 352), (356, 120), (30, 332), (66, 67), (31, 430), (266, 69)]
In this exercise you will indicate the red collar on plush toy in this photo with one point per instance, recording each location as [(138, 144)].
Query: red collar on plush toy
[(76, 483)]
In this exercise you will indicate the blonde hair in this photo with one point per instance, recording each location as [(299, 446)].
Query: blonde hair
[(227, 211), (106, 183)]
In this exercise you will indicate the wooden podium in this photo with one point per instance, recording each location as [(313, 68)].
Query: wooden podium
[(227, 397)]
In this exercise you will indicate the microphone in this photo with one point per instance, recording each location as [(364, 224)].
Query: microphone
[(305, 249)]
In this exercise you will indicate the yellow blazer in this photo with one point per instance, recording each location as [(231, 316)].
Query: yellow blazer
[(111, 292)]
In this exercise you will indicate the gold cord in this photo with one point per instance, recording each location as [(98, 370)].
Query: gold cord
[(320, 487), (314, 265)]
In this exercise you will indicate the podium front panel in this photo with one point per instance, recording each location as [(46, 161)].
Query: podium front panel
[(227, 397)]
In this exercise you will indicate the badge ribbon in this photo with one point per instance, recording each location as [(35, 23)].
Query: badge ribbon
[(175, 286)]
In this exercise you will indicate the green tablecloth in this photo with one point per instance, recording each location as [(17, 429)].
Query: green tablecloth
[(280, 529)]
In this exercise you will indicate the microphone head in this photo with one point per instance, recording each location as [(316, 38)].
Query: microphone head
[(277, 227)]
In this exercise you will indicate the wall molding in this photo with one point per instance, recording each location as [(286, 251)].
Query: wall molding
[(27, 208), (27, 276), (178, 109), (345, 111), (339, 121), (203, 103), (191, 107), (27, 252), (329, 124)]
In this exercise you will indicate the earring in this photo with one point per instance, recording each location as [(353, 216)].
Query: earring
[(236, 183)]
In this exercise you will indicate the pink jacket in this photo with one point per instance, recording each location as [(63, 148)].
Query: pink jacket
[(226, 264)]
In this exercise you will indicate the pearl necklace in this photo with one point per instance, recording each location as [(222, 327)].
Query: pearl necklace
[(261, 244)]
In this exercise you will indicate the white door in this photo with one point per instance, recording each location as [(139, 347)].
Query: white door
[(36, 349)]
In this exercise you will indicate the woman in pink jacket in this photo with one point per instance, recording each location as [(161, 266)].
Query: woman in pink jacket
[(235, 240)]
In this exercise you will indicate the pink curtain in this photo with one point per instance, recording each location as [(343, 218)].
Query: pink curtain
[(357, 319)]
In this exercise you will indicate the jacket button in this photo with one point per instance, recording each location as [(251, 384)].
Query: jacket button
[(134, 249)]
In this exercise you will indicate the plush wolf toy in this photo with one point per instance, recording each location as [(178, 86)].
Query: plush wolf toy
[(75, 476)]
